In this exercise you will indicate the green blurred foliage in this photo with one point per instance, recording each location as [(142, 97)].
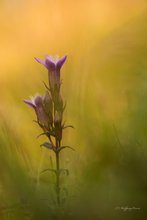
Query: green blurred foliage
[(105, 87)]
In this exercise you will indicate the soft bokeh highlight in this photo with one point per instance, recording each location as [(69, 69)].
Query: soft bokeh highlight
[(104, 85)]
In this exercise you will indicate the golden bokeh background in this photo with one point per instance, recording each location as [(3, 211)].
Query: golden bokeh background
[(105, 87)]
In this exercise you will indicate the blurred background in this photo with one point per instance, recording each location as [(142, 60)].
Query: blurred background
[(105, 87)]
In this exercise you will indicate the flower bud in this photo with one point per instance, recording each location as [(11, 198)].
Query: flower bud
[(37, 104), (58, 127), (48, 104), (58, 104), (57, 118), (41, 114)]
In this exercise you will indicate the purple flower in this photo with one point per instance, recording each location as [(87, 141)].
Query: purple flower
[(36, 103), (53, 64)]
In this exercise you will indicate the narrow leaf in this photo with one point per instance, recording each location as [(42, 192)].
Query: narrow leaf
[(68, 126), (46, 170), (44, 133), (63, 147), (46, 86), (47, 145)]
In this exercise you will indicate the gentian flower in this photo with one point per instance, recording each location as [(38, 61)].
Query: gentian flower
[(49, 110), (37, 103), (53, 64)]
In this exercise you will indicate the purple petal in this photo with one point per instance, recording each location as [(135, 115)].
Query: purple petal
[(30, 103), (38, 100), (61, 62), (49, 63), (40, 61)]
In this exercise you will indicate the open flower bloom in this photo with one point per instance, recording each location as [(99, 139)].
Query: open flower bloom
[(53, 64), (37, 104)]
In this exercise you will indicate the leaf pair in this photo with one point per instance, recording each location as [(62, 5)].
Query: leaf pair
[(64, 171), (50, 146)]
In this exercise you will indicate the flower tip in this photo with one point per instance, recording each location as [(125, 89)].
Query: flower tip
[(39, 61), (25, 101), (61, 61), (64, 57), (29, 102)]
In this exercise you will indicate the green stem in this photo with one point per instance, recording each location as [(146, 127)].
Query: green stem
[(58, 174)]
